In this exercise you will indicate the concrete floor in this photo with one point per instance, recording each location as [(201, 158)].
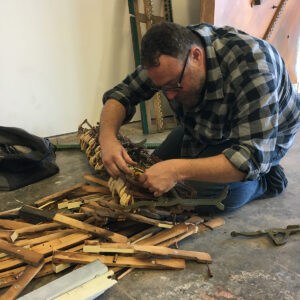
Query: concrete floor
[(242, 268)]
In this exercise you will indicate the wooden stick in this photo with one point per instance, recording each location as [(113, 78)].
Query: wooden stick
[(95, 179), (117, 213), (10, 213), (169, 233), (279, 9), (96, 189), (29, 256), (15, 290), (214, 223), (201, 257), (146, 220), (144, 234), (121, 261), (58, 195)]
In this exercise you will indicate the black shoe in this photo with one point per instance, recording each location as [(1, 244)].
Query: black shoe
[(276, 181)]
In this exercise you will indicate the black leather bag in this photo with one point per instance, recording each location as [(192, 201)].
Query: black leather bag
[(24, 158)]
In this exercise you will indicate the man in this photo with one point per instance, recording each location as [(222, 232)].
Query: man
[(237, 110)]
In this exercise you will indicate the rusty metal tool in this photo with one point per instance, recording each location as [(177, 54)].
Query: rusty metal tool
[(278, 235)]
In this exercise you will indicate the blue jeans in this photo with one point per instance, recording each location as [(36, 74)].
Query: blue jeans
[(239, 193)]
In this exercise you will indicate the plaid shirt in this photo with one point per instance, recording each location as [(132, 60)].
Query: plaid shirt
[(248, 100)]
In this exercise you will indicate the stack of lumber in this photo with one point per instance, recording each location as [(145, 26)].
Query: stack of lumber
[(84, 223)]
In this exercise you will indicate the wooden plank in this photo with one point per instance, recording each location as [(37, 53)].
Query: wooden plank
[(8, 235), (12, 279), (101, 232), (15, 290), (274, 20), (17, 271), (91, 289), (77, 202), (48, 248), (35, 229), (176, 239), (58, 195), (12, 224), (178, 229), (38, 228), (29, 256), (9, 277), (45, 237), (121, 261), (201, 257), (62, 204), (213, 223), (60, 267), (207, 11), (97, 247), (165, 240), (32, 212), (61, 243), (67, 282)]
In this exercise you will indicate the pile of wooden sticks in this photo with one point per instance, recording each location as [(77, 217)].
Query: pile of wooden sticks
[(84, 223)]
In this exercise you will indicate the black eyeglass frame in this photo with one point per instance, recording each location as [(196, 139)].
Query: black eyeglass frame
[(178, 85)]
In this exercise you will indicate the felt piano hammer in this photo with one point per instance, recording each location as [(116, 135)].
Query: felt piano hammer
[(36, 215)]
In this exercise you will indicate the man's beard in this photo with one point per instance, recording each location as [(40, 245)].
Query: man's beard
[(191, 98), (188, 99)]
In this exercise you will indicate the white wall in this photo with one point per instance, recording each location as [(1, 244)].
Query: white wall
[(57, 58)]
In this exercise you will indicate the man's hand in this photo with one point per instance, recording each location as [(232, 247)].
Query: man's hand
[(163, 176), (115, 158), (160, 178)]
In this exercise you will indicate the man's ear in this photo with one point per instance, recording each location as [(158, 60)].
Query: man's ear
[(197, 54)]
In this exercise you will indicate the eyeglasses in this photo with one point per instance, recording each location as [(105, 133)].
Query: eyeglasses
[(177, 86)]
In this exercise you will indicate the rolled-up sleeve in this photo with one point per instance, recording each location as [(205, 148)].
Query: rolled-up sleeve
[(254, 128)]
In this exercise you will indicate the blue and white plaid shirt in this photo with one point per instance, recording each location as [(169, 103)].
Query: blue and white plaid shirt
[(248, 100)]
